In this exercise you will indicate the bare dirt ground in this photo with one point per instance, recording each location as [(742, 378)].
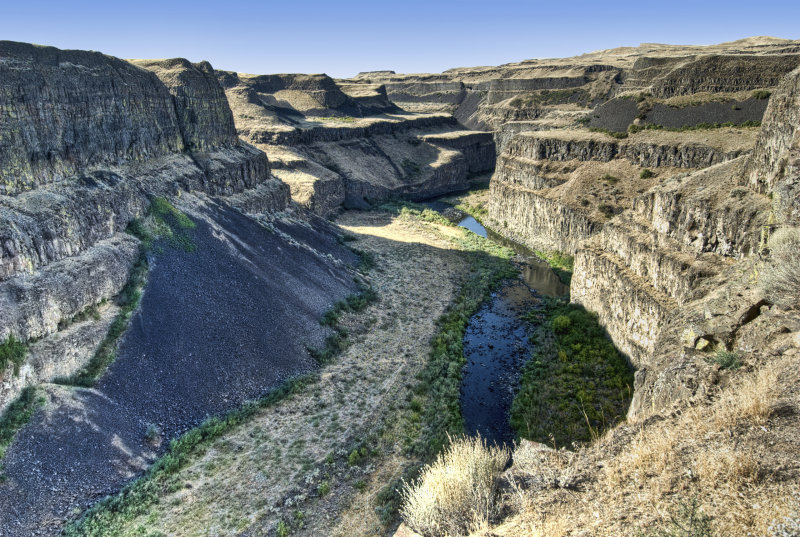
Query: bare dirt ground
[(293, 464)]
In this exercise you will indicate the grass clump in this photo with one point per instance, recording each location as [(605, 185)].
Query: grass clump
[(17, 415), (761, 94), (633, 129), (646, 174), (688, 521), (780, 277), (575, 384), (13, 352), (457, 493), (610, 179), (614, 134), (726, 359)]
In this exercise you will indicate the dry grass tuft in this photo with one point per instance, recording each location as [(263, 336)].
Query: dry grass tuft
[(750, 401), (780, 278), (456, 494)]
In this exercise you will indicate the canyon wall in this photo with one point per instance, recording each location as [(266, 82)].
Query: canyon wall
[(87, 141), (354, 151)]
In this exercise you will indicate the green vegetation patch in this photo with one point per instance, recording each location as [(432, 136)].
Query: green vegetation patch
[(439, 388), (17, 415), (576, 383), (338, 341), (646, 174), (549, 97), (726, 359), (561, 263), (416, 210), (164, 221), (12, 352), (435, 409), (700, 126)]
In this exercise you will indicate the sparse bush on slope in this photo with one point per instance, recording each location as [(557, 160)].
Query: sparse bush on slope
[(780, 278), (456, 494)]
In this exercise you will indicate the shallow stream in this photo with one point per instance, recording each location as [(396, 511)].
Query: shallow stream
[(496, 342)]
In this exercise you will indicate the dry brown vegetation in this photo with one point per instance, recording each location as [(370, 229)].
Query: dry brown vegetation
[(456, 494), (780, 278), (737, 457)]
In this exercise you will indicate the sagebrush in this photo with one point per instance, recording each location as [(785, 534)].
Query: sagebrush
[(456, 494)]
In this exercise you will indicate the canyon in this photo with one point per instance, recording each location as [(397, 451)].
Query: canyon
[(663, 170)]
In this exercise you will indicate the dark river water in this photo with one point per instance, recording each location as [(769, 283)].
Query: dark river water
[(496, 342)]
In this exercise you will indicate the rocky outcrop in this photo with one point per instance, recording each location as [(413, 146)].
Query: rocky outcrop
[(706, 212), (722, 73), (87, 141), (536, 221), (775, 164), (34, 304), (64, 111), (580, 145), (477, 147), (339, 133)]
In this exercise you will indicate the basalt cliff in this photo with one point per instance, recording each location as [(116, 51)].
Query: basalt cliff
[(663, 170)]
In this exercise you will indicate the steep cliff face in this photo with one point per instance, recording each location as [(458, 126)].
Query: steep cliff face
[(87, 141), (774, 165), (373, 153), (688, 246), (66, 110), (591, 177)]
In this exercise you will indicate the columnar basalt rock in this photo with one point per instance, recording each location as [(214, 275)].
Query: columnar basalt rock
[(64, 111)]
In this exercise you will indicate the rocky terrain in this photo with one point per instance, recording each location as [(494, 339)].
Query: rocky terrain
[(167, 220), (347, 145)]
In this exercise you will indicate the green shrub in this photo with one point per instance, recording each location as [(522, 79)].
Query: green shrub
[(609, 211), (761, 94), (282, 530), (646, 174), (323, 488), (16, 415), (575, 384), (610, 179), (561, 324), (726, 359), (12, 352)]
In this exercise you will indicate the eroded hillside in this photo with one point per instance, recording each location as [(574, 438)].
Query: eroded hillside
[(180, 242)]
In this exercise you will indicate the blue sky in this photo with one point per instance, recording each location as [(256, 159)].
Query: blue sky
[(344, 37)]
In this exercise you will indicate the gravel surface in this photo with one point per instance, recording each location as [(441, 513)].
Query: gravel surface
[(215, 328)]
